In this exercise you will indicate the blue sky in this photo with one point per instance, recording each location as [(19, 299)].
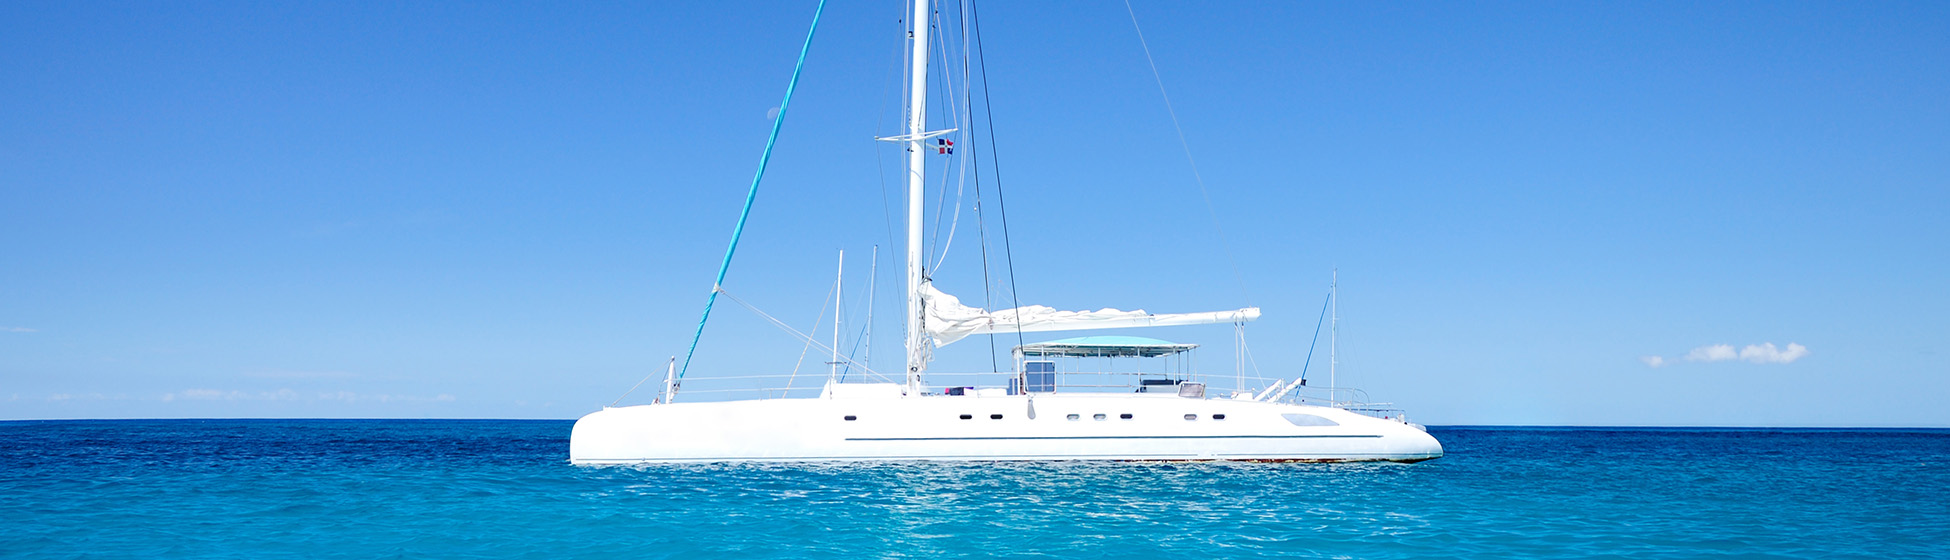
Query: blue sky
[(515, 210)]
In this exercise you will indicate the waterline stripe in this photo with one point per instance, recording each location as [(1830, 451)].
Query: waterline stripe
[(1328, 457), (992, 438)]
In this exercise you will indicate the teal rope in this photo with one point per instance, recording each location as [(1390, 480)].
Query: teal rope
[(752, 195), (1316, 342)]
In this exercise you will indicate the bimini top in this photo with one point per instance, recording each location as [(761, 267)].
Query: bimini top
[(1104, 347)]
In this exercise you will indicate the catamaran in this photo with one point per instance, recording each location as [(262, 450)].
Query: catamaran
[(1065, 399)]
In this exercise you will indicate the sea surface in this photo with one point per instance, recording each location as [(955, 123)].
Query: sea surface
[(504, 489)]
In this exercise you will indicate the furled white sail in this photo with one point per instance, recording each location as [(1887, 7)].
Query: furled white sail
[(947, 320)]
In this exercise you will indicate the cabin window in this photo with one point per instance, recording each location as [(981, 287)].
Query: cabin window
[(967, 416), (995, 417), (1126, 416), (1308, 420), (1191, 390), (1039, 376), (1191, 417), (1218, 417), (1098, 417), (1074, 417), (851, 418)]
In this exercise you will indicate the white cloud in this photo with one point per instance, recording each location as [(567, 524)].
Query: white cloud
[(1766, 353), (1718, 352), (1763, 353), (18, 329)]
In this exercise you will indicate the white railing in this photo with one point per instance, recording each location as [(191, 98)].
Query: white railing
[(741, 387), (738, 387)]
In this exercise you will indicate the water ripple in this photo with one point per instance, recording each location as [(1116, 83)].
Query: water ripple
[(362, 489)]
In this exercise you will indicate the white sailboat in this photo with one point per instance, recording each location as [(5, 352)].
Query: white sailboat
[(1038, 416)]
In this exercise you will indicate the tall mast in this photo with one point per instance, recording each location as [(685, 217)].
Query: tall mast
[(873, 273), (917, 105), (1334, 335), (839, 277)]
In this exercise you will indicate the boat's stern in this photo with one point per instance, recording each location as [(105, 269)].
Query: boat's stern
[(1403, 442)]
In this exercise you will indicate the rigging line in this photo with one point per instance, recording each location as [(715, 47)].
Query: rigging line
[(866, 326), (880, 165), (1316, 341), (955, 120), (815, 332), (843, 319), (988, 288), (1250, 360), (940, 198), (995, 163), (975, 167), (873, 276), (944, 93), (941, 93), (752, 194), (639, 383), (845, 367), (1209, 208), (795, 332)]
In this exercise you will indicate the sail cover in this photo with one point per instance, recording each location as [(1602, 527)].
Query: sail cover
[(947, 320)]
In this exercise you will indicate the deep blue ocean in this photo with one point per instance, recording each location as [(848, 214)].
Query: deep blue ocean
[(504, 489)]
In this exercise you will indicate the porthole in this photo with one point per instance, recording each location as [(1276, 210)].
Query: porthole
[(1126, 416), (1098, 417), (995, 417), (1074, 417), (967, 416), (1191, 417), (851, 418), (1218, 417)]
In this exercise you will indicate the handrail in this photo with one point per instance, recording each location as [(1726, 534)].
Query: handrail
[(1347, 398)]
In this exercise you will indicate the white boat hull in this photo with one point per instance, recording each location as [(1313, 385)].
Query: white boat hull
[(996, 428)]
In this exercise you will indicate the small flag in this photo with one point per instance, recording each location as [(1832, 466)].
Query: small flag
[(944, 146)]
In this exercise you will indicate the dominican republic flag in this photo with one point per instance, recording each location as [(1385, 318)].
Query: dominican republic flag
[(944, 146)]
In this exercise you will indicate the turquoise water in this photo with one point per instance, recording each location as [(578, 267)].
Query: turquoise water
[(398, 488)]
